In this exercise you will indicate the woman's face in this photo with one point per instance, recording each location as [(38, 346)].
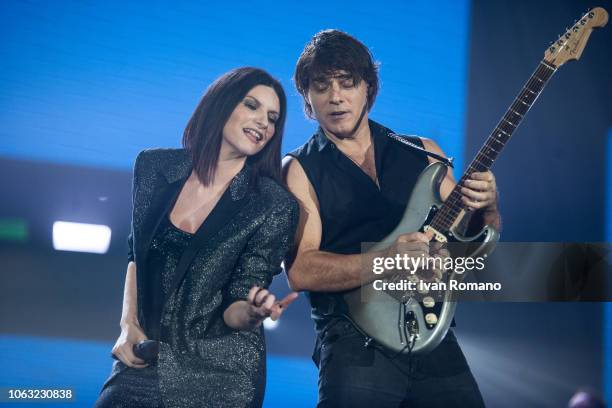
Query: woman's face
[(252, 123)]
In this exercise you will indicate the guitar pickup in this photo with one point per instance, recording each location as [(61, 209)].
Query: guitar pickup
[(437, 235)]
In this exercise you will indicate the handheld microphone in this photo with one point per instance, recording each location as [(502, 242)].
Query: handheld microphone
[(146, 350)]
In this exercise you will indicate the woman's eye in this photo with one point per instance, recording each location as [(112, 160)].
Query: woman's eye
[(250, 105), (272, 119)]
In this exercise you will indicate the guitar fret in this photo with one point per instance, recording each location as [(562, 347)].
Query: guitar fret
[(486, 163), (519, 108), (505, 127), (527, 89), (528, 98), (524, 103), (500, 138), (497, 148), (507, 121), (513, 117), (515, 112)]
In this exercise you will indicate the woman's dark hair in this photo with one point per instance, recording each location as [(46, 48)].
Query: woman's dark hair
[(333, 50), (204, 132)]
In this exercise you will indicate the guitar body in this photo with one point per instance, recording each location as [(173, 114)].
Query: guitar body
[(391, 322)]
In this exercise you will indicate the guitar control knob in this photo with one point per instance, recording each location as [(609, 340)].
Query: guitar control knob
[(428, 301), (431, 318)]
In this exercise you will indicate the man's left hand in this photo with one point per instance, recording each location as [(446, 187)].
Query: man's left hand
[(480, 191)]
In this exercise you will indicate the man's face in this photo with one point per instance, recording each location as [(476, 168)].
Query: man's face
[(337, 102)]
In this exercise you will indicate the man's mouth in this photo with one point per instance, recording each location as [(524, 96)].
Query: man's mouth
[(338, 114), (255, 135)]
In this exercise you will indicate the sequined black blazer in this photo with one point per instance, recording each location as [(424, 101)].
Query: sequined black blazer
[(241, 243)]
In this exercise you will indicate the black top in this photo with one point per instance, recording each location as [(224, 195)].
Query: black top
[(353, 209), (166, 249)]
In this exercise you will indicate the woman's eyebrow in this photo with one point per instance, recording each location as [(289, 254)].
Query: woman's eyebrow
[(259, 104), (254, 98)]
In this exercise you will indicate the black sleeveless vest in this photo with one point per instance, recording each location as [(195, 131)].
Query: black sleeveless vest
[(353, 209)]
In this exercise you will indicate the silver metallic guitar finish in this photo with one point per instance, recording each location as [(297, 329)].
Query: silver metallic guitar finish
[(383, 317)]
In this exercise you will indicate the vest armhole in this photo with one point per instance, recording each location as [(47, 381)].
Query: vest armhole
[(308, 177)]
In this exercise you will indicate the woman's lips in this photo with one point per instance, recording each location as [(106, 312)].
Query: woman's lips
[(253, 134)]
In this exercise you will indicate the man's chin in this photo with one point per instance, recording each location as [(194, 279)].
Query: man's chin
[(341, 132)]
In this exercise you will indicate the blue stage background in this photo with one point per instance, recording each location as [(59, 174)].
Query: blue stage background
[(84, 86)]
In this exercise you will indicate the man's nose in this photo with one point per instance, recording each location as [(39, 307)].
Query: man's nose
[(335, 96)]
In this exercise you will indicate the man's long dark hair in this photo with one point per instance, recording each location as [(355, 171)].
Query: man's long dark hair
[(334, 50), (204, 132)]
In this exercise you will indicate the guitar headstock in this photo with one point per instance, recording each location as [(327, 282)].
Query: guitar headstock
[(571, 44)]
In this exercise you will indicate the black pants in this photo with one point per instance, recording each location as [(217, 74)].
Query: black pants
[(132, 388), (351, 375)]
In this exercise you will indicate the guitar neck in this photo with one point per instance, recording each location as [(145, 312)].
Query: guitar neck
[(488, 153)]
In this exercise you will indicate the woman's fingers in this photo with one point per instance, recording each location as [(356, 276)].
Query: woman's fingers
[(257, 296), (260, 297), (280, 307), (288, 299), (264, 304), (252, 293), (268, 303), (126, 355)]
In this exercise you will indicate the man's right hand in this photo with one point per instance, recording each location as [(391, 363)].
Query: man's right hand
[(414, 245), (131, 334), (417, 245)]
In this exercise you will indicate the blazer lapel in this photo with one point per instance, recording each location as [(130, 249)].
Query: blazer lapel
[(172, 173), (231, 202)]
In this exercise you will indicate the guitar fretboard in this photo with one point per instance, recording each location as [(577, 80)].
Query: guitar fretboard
[(488, 153)]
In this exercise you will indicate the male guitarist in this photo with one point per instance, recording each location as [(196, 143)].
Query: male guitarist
[(353, 182)]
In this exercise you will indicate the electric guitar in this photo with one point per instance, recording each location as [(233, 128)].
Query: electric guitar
[(412, 326)]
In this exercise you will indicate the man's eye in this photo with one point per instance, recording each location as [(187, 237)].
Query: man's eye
[(348, 83), (321, 86)]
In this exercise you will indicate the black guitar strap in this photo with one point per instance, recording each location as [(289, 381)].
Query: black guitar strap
[(403, 139)]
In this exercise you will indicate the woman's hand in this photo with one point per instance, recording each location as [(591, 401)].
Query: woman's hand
[(260, 304), (263, 304), (131, 334)]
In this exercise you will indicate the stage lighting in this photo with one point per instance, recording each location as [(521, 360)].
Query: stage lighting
[(270, 324), (79, 237)]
